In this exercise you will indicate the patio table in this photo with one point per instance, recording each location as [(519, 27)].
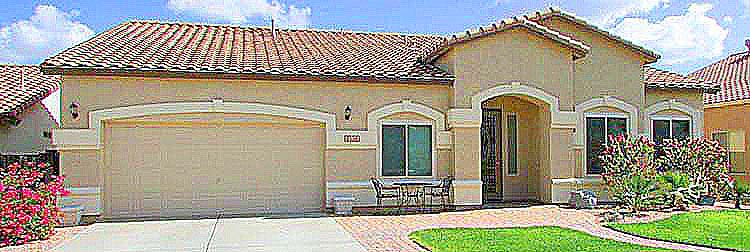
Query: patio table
[(411, 190)]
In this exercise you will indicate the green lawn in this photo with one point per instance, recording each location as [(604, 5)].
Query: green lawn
[(518, 240), (725, 229)]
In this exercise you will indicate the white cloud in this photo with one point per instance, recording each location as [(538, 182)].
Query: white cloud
[(746, 3), (727, 19), (242, 11), (680, 39), (48, 31), (609, 12)]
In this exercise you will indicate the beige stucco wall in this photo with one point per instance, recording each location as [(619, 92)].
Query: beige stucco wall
[(27, 137), (332, 97), (610, 68), (513, 55)]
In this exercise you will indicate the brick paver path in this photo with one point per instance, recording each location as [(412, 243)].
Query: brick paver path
[(390, 233)]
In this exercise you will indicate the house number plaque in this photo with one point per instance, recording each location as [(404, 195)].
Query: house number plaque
[(352, 139)]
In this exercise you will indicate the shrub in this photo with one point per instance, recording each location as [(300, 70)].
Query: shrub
[(629, 169), (739, 191), (676, 190), (28, 197), (704, 161), (639, 193)]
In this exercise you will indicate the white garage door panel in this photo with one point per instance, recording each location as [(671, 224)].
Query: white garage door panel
[(183, 171)]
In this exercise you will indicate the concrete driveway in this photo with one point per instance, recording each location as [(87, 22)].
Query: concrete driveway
[(236, 234)]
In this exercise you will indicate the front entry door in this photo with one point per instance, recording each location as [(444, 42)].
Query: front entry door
[(492, 189)]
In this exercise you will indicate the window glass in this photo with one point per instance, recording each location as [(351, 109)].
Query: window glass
[(616, 126), (680, 129), (512, 145), (394, 150), (661, 130), (595, 138), (420, 150)]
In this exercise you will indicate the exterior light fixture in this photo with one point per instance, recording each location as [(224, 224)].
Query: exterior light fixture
[(75, 110), (348, 113)]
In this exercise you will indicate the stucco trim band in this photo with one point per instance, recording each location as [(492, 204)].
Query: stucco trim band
[(606, 101), (97, 118), (462, 117)]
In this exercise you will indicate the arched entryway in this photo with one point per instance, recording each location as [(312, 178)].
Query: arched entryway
[(515, 128)]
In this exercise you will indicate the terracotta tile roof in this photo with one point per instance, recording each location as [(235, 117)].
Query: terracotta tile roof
[(732, 74), (557, 12), (184, 48), (21, 86), (578, 47), (661, 79)]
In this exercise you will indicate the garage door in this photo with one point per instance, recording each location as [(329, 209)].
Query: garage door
[(201, 169)]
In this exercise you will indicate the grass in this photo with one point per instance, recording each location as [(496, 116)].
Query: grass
[(724, 229), (518, 240)]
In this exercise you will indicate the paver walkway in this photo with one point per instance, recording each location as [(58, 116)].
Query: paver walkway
[(390, 233)]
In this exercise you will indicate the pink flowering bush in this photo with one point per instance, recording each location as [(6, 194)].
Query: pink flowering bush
[(630, 171), (684, 170), (28, 197), (704, 161)]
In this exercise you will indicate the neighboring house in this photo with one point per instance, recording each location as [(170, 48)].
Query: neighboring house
[(728, 111), (672, 118), (25, 123), (179, 120)]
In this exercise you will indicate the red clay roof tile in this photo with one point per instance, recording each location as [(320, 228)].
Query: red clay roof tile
[(151, 46), (732, 74), (22, 86), (661, 79)]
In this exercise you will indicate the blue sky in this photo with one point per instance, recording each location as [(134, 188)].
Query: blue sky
[(687, 33)]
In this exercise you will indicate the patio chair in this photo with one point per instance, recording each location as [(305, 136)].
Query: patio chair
[(384, 192), (443, 190)]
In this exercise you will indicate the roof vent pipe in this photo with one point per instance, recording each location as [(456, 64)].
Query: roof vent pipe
[(273, 29)]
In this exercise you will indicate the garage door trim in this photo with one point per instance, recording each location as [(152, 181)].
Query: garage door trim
[(98, 117)]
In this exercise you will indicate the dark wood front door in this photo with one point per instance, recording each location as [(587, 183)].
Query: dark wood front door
[(491, 133)]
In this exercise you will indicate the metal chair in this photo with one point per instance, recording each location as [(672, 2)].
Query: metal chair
[(384, 192), (443, 190)]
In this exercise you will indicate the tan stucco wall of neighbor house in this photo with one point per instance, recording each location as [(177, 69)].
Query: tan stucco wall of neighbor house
[(28, 136), (732, 118)]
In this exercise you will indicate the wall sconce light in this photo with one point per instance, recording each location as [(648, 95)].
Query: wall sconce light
[(348, 113), (75, 110)]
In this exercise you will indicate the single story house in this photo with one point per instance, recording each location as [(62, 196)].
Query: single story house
[(726, 112), (25, 123), (168, 119)]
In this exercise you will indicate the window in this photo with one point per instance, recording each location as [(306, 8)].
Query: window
[(406, 150), (670, 128), (512, 123), (597, 130), (734, 143)]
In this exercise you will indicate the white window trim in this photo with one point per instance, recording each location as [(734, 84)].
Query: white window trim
[(606, 138), (669, 118), (407, 123), (507, 150), (695, 115)]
